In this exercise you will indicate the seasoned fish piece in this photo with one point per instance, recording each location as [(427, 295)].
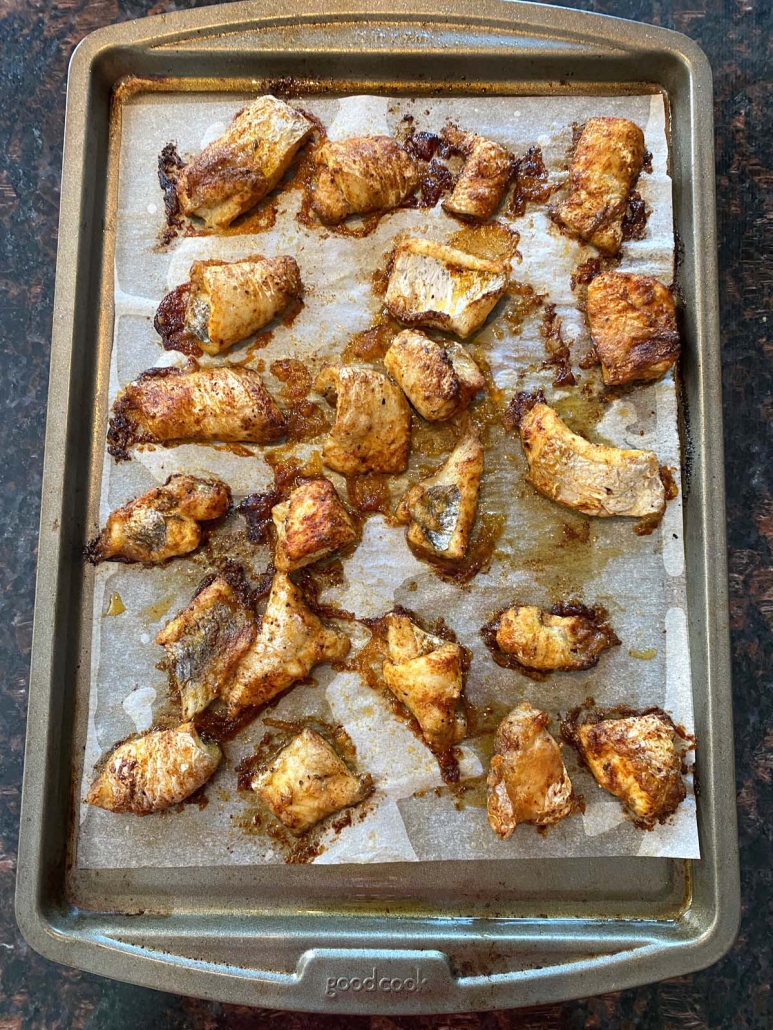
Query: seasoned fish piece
[(483, 180), (243, 165), (372, 429), (155, 771), (311, 524), (568, 637), (591, 478), (527, 782), (425, 672), (308, 781), (290, 642), (633, 326), (607, 162), (224, 403), (439, 379), (161, 523), (441, 287), (636, 759), (206, 641), (441, 510), (227, 301), (359, 175)]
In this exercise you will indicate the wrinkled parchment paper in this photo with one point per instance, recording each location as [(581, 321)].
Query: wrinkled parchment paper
[(640, 580)]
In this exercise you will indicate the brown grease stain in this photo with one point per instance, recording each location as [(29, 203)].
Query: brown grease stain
[(557, 350), (115, 605)]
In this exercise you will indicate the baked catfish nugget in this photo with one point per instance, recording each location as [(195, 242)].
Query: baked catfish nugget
[(162, 523), (360, 175), (484, 177), (308, 781), (441, 287), (310, 525), (439, 379), (372, 428), (592, 478), (244, 164), (426, 673), (226, 301), (635, 758), (440, 511), (632, 321), (567, 638), (607, 162), (291, 640), (205, 642), (224, 403), (527, 781), (155, 771)]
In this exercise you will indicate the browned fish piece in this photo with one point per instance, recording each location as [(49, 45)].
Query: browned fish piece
[(163, 404), (372, 428), (290, 642), (484, 178), (607, 161), (565, 638), (243, 165), (308, 781), (155, 771), (359, 175), (440, 510), (161, 523), (426, 673), (206, 641), (527, 782), (632, 322), (439, 379), (635, 758), (310, 525), (441, 287)]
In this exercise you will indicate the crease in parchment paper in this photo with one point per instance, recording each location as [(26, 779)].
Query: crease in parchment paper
[(640, 580)]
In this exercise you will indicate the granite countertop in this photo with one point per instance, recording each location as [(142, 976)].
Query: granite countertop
[(36, 40)]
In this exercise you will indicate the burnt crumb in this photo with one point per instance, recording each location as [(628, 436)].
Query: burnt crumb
[(520, 406), (435, 183), (589, 360), (557, 350), (285, 88), (669, 483), (169, 166), (585, 273), (635, 217), (647, 162), (256, 510), (170, 322), (531, 185)]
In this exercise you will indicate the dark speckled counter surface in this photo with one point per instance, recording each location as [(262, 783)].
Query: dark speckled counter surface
[(36, 40)]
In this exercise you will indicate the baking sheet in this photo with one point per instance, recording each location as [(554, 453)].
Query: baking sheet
[(639, 579)]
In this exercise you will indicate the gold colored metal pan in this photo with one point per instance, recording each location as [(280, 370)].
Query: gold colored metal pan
[(459, 936)]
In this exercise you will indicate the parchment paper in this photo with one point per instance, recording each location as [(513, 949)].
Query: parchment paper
[(640, 580)]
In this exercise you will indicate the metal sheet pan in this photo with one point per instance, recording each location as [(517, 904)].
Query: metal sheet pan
[(368, 939)]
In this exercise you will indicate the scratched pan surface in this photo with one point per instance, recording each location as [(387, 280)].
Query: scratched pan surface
[(456, 936)]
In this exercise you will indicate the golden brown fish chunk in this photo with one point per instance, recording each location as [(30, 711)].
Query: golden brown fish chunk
[(290, 642), (441, 510), (155, 771), (206, 641), (527, 782), (441, 287), (439, 379), (594, 479), (426, 673), (636, 759), (311, 524), (161, 523), (568, 637), (228, 301), (308, 781), (243, 165), (484, 178), (372, 428), (632, 322), (359, 175), (607, 162), (224, 403)]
